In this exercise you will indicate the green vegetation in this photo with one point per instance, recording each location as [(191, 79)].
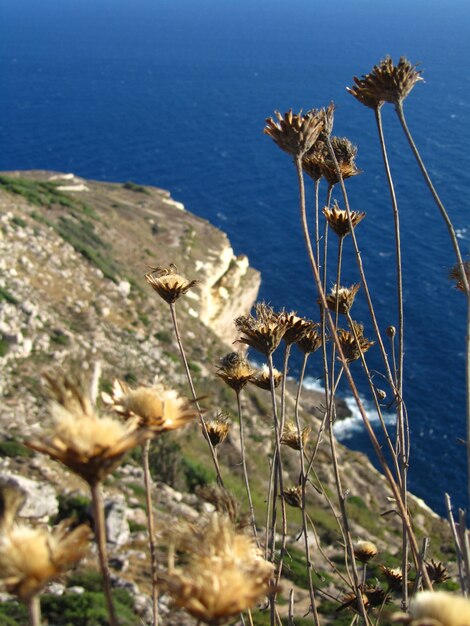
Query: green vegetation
[(6, 296), (19, 221), (14, 449), (73, 506), (135, 187)]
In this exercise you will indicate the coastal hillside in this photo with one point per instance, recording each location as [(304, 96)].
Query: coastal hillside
[(73, 295)]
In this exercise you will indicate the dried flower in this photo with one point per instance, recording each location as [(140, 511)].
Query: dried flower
[(352, 348), (345, 153), (168, 283), (223, 501), (456, 275), (364, 551), (224, 574), (296, 328), (290, 436), (31, 557), (263, 331), (371, 596), (295, 133), (338, 219), (386, 83), (90, 445), (155, 408), (313, 160), (262, 379), (293, 496), (12, 499), (436, 608), (393, 577), (235, 370), (342, 298), (218, 429), (312, 340), (437, 572)]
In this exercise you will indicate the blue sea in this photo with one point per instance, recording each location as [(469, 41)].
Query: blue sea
[(174, 93)]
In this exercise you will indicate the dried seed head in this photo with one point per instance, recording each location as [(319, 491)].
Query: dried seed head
[(224, 572), (386, 83), (155, 408), (351, 348), (223, 501), (456, 275), (31, 557), (312, 340), (364, 551), (12, 499), (296, 328), (90, 445), (393, 577), (349, 601), (293, 496), (345, 153), (290, 436), (313, 160), (295, 133), (262, 331), (168, 283), (342, 298), (338, 219), (437, 608), (262, 379), (218, 429), (437, 572), (371, 596), (390, 332), (235, 370)]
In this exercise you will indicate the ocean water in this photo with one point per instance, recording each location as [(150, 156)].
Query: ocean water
[(175, 93)]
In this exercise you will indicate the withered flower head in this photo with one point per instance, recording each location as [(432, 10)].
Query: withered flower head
[(295, 133), (223, 501), (456, 275), (342, 297), (328, 119), (168, 283), (372, 596), (31, 557), (262, 331), (293, 496), (155, 408), (393, 577), (364, 551), (313, 160), (90, 445), (262, 379), (290, 436), (296, 327), (437, 572), (353, 349), (338, 219), (224, 572), (436, 608), (386, 83), (312, 340), (12, 499), (345, 153), (235, 370), (218, 429)]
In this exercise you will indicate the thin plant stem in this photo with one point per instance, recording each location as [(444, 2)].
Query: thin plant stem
[(100, 536), (193, 392), (417, 581), (245, 469), (34, 611), (403, 451), (377, 448), (347, 582), (151, 528), (316, 188), (283, 385), (458, 548), (464, 544)]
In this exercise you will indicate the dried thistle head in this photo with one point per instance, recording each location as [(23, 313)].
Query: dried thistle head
[(437, 572), (352, 348), (372, 596), (12, 499), (155, 408), (235, 370), (223, 501), (90, 445), (262, 331), (312, 340), (31, 557), (295, 133), (338, 219), (313, 160), (290, 436), (386, 83), (224, 572), (262, 379), (168, 283), (218, 429), (342, 298), (436, 608), (293, 496), (456, 275), (345, 153), (393, 577), (296, 328), (364, 551)]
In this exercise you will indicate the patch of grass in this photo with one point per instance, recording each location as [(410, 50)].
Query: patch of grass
[(12, 449), (60, 338), (194, 367), (137, 489), (196, 475), (164, 336), (6, 296), (73, 506), (86, 609), (135, 187), (13, 614), (134, 527), (4, 346), (19, 221), (295, 570)]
